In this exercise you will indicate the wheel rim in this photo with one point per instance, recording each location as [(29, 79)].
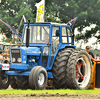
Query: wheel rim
[(4, 80), (41, 79), (82, 71)]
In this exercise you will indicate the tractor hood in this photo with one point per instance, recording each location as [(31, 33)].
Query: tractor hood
[(29, 51), (33, 51)]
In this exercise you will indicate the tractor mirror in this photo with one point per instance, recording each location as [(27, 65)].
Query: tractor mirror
[(57, 33)]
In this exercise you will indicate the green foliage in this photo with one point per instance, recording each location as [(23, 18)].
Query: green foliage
[(87, 12), (61, 11), (11, 12)]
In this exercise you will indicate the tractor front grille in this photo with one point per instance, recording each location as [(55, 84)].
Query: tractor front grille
[(16, 56)]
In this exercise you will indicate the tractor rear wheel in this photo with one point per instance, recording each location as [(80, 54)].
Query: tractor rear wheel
[(79, 70), (13, 82), (22, 84), (4, 80), (59, 68)]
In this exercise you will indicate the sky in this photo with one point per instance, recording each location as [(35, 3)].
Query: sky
[(91, 40)]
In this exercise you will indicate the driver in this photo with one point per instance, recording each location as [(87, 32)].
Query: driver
[(56, 38), (46, 37)]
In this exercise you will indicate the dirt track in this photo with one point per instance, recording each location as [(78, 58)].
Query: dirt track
[(51, 97)]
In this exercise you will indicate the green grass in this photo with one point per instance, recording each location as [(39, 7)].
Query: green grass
[(61, 91)]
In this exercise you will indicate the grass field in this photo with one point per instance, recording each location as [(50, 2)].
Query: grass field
[(61, 91)]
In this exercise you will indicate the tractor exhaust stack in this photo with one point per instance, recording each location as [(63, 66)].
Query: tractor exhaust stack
[(27, 35)]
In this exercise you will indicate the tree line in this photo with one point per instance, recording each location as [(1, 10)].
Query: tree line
[(87, 11)]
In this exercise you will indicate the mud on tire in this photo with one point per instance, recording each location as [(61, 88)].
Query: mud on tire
[(59, 68), (79, 70)]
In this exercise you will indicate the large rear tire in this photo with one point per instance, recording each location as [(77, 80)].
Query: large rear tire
[(59, 68), (13, 82), (4, 80), (22, 84), (79, 70)]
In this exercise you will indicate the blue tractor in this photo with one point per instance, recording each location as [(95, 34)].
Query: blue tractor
[(46, 52)]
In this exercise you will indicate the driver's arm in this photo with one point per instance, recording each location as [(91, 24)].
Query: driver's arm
[(92, 58)]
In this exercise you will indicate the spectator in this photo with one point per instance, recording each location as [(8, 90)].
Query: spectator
[(90, 53), (1, 57), (98, 58), (7, 50), (5, 56), (95, 55)]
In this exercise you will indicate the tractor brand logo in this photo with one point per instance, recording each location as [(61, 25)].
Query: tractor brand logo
[(36, 51), (15, 51), (33, 51)]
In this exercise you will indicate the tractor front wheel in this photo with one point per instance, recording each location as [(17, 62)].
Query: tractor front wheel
[(32, 73), (38, 78)]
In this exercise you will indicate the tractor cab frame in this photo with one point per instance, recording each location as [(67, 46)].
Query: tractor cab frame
[(50, 37)]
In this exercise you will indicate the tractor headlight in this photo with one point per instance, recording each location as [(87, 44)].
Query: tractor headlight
[(19, 59), (13, 59), (15, 56)]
